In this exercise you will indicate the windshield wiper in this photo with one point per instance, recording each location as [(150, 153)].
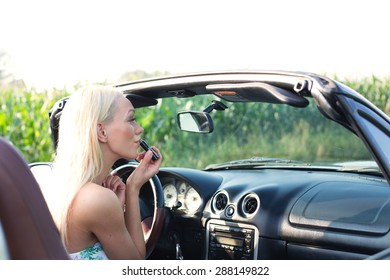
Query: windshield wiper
[(363, 170), (362, 167), (255, 161)]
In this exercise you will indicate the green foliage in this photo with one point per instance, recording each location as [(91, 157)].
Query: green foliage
[(374, 89), (24, 121)]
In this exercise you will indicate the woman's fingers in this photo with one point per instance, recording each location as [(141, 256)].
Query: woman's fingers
[(112, 182)]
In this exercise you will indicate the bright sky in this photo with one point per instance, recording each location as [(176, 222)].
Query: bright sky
[(56, 43)]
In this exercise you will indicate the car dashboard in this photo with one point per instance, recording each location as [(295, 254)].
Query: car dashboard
[(273, 213)]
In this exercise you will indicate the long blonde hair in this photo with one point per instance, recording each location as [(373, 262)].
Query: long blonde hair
[(79, 158)]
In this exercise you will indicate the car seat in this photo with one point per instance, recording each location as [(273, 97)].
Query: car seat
[(28, 227)]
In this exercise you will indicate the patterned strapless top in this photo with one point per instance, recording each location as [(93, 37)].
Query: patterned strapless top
[(95, 252)]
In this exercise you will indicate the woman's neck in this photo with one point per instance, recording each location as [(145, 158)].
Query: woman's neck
[(107, 165)]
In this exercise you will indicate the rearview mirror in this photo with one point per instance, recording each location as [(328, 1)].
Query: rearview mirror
[(193, 121)]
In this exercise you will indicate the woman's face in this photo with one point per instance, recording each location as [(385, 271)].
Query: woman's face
[(123, 132)]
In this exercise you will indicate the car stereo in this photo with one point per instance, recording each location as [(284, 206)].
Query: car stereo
[(231, 241)]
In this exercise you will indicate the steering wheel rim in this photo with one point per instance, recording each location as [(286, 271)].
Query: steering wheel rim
[(151, 226)]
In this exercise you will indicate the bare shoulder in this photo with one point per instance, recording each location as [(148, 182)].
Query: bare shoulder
[(94, 201), (93, 211)]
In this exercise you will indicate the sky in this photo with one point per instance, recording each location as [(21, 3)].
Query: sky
[(60, 43)]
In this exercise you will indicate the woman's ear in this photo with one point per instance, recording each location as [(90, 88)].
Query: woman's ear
[(101, 133)]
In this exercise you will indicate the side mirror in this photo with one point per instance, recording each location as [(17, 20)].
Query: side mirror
[(194, 121)]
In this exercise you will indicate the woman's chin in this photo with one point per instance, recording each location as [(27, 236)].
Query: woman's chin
[(130, 157)]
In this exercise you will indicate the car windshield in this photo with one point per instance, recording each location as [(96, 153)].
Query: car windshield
[(255, 134)]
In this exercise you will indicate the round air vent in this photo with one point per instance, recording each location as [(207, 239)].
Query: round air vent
[(250, 204), (220, 201)]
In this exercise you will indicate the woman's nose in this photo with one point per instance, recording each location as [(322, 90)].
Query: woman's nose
[(139, 129)]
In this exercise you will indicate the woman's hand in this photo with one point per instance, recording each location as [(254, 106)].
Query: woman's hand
[(114, 183), (145, 170)]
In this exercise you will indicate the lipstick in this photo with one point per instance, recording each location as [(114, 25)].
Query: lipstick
[(146, 147)]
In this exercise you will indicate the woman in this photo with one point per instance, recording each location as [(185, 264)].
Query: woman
[(100, 217)]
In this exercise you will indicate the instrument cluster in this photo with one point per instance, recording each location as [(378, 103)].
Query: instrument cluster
[(181, 196)]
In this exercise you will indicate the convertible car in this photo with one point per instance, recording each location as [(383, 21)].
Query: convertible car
[(257, 165)]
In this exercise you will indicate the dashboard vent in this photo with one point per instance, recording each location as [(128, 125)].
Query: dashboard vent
[(220, 201), (250, 204)]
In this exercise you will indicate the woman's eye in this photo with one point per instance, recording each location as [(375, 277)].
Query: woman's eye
[(132, 120)]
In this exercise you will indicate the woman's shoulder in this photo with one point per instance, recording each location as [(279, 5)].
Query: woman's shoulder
[(93, 190), (93, 198)]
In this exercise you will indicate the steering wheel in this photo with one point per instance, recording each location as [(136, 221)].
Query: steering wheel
[(152, 220)]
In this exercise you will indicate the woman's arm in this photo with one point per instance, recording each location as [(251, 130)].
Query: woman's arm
[(146, 169)]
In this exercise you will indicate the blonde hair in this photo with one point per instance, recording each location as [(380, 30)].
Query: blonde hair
[(79, 157)]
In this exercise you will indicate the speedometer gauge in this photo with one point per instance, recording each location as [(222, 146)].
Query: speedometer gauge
[(170, 195), (192, 200), (182, 188)]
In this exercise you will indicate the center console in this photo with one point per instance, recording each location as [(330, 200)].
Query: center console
[(231, 241)]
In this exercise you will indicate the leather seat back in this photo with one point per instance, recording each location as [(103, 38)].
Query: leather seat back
[(29, 229)]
